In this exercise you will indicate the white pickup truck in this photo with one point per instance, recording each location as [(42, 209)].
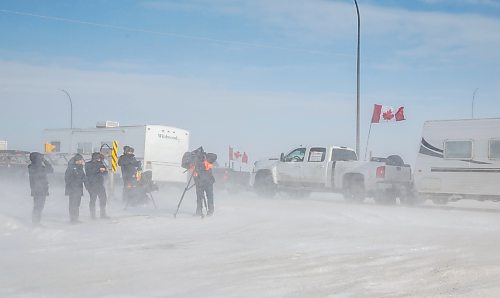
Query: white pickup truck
[(334, 169)]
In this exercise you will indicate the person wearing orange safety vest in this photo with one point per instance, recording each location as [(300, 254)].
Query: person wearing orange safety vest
[(204, 181)]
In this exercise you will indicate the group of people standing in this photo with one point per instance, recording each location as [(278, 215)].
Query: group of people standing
[(80, 175), (77, 176)]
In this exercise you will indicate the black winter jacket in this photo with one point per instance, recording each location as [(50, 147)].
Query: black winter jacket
[(129, 165), (39, 184), (75, 179), (95, 178)]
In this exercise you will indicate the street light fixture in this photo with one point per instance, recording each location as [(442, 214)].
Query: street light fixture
[(473, 99), (70, 105), (357, 84)]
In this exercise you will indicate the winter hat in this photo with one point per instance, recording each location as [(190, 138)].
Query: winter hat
[(96, 155), (35, 156), (78, 157)]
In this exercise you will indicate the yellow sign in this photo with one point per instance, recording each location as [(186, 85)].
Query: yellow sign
[(114, 156), (49, 148)]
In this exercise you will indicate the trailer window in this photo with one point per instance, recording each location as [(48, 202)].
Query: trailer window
[(494, 148), (458, 149), (84, 148), (340, 154), (317, 155)]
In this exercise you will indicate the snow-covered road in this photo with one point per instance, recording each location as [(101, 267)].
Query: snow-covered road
[(252, 247)]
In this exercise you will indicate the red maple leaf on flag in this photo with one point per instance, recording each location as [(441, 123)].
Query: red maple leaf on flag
[(388, 115), (237, 154)]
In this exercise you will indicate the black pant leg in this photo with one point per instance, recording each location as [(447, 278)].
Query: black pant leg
[(209, 189), (200, 197), (74, 207), (38, 205)]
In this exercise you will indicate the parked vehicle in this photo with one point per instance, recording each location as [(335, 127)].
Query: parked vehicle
[(230, 180), (14, 164), (159, 148), (333, 169), (459, 159)]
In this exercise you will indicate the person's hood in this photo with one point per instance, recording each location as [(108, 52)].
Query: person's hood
[(95, 156), (75, 158), (36, 157)]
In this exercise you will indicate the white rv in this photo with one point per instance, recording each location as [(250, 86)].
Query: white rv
[(159, 148), (459, 159)]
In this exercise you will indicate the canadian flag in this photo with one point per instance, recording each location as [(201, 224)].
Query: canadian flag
[(237, 154), (387, 113)]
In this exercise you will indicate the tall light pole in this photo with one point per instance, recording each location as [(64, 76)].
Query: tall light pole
[(70, 105), (357, 84), (473, 99)]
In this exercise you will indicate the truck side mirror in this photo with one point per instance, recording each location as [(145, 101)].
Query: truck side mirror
[(282, 157)]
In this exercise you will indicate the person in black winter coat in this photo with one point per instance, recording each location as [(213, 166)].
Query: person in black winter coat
[(75, 179), (38, 170), (96, 171), (129, 166)]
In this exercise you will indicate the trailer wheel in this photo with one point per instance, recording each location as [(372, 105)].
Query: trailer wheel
[(264, 185), (354, 190)]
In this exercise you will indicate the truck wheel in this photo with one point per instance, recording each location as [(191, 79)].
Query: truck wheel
[(410, 197), (264, 185), (354, 192)]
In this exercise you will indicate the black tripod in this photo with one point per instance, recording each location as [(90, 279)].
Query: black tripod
[(188, 187)]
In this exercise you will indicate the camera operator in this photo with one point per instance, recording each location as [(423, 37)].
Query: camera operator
[(204, 180), (130, 166)]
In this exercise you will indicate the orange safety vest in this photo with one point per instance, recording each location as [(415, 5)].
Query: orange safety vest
[(208, 167)]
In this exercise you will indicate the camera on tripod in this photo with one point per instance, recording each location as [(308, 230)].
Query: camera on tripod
[(196, 157)]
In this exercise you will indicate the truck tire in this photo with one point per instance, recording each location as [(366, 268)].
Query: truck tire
[(264, 185), (354, 190)]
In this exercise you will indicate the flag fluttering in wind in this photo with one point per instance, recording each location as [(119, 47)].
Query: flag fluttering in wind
[(244, 158), (386, 113)]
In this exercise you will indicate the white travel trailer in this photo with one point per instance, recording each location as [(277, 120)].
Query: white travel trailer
[(159, 148), (459, 159)]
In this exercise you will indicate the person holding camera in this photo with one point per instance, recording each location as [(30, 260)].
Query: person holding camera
[(204, 181), (38, 170), (96, 171), (75, 178), (129, 166)]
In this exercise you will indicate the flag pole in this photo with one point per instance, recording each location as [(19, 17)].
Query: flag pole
[(368, 139)]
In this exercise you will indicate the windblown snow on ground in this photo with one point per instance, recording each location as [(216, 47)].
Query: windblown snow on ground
[(252, 247)]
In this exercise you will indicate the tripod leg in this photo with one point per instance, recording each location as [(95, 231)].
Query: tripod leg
[(183, 194)]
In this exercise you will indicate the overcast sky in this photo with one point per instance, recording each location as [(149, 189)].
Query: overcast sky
[(260, 75)]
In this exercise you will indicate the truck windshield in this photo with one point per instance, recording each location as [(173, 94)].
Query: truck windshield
[(340, 154)]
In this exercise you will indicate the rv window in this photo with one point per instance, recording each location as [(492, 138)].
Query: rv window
[(458, 149), (57, 146), (494, 148), (84, 148), (343, 155), (317, 155)]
